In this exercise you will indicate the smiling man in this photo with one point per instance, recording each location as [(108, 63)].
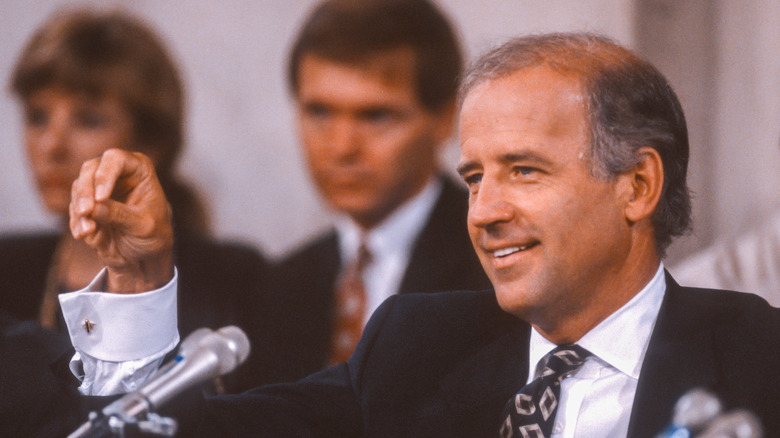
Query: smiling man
[(575, 153), (563, 248)]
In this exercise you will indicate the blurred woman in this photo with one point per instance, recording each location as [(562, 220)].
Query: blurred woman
[(88, 82)]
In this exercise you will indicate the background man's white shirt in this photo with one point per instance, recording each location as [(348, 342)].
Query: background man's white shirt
[(391, 245)]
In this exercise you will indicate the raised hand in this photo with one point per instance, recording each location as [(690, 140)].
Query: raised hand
[(119, 209)]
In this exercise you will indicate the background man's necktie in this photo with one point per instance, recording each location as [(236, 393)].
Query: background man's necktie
[(531, 412), (350, 307)]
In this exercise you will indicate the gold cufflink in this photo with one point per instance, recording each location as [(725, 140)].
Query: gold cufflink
[(88, 325)]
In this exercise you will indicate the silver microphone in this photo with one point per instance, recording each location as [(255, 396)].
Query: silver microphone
[(734, 424), (698, 413), (692, 412), (696, 408), (203, 355)]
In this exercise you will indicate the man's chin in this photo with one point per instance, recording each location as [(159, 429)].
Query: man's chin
[(511, 302)]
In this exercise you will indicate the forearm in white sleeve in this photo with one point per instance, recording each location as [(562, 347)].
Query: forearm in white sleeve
[(120, 339)]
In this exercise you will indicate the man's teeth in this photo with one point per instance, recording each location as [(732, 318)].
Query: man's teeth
[(511, 250)]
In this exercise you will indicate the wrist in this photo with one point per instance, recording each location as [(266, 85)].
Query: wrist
[(151, 274)]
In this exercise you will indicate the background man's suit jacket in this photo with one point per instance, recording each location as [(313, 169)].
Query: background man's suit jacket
[(297, 318), (445, 365)]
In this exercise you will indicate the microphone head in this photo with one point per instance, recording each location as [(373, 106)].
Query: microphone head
[(237, 342), (193, 340), (738, 423), (696, 408), (227, 348), (230, 343)]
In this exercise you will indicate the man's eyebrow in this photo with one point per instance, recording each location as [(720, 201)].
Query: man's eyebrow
[(506, 159), (467, 166), (528, 157), (313, 103)]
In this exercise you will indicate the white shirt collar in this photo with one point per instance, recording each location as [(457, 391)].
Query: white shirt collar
[(620, 340), (396, 233)]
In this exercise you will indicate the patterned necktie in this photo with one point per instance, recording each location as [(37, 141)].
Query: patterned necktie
[(350, 307), (531, 412)]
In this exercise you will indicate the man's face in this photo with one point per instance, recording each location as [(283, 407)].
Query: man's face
[(369, 143), (62, 130), (550, 237)]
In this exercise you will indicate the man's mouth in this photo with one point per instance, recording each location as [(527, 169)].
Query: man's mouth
[(503, 252)]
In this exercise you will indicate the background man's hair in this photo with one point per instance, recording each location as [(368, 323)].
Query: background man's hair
[(351, 31)]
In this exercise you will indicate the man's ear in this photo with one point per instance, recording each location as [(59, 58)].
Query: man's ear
[(645, 184)]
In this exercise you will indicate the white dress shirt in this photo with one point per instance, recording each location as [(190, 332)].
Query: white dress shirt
[(390, 244), (107, 360), (597, 399)]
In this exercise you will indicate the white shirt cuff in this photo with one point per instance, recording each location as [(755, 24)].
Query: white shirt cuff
[(121, 327)]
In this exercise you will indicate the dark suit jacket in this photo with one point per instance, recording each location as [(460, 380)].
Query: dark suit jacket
[(34, 402), (216, 280), (301, 300), (445, 365), (219, 283)]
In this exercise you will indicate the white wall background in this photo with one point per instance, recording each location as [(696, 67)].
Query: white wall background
[(242, 152)]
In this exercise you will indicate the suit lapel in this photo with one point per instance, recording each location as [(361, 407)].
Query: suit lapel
[(680, 356), (477, 389), (443, 258)]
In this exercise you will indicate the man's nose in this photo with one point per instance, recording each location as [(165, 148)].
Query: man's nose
[(490, 205), (345, 137)]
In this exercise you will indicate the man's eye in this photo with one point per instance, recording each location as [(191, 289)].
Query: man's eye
[(472, 179), (525, 170), (92, 119), (317, 111), (36, 117), (377, 115)]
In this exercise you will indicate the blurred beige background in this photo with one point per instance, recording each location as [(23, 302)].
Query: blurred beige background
[(722, 57)]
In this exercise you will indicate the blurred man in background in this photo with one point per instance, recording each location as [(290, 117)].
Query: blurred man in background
[(374, 84)]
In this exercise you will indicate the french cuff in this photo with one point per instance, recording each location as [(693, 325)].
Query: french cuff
[(121, 327)]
